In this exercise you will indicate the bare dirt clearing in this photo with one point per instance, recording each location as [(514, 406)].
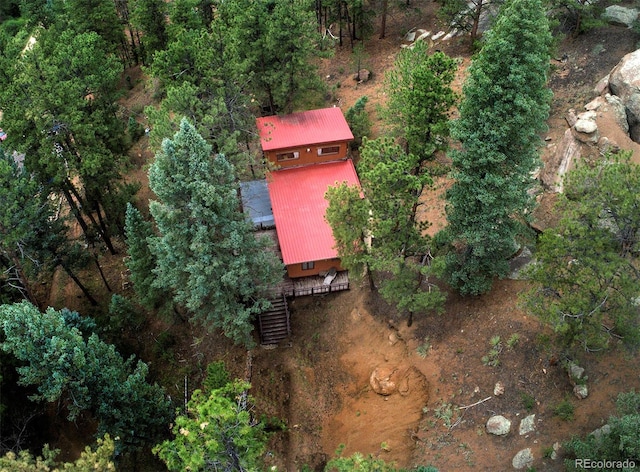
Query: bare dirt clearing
[(322, 379), (318, 381)]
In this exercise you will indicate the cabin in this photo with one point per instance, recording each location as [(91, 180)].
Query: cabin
[(297, 199), (304, 138), (309, 151)]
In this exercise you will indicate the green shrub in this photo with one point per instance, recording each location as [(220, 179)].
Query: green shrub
[(528, 401), (620, 443), (217, 376), (564, 410)]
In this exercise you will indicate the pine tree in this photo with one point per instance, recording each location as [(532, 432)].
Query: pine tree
[(84, 373), (207, 254), (586, 273), (505, 106), (392, 183), (141, 261), (217, 432), (420, 97), (59, 105), (149, 16)]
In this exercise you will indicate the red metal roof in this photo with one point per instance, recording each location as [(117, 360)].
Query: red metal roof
[(298, 203), (326, 125)]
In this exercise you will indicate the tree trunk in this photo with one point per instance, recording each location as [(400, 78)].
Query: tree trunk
[(75, 210), (22, 279), (372, 283), (79, 284), (383, 24), (94, 223), (104, 279), (476, 20), (340, 22), (104, 231)]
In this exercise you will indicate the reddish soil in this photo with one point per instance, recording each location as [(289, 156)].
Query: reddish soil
[(322, 376), (317, 382)]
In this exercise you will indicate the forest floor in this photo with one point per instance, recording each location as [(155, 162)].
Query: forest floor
[(317, 381)]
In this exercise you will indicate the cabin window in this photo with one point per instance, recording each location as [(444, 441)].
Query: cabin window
[(287, 156), (326, 151), (308, 265)]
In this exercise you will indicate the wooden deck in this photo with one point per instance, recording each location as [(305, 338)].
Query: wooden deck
[(301, 286)]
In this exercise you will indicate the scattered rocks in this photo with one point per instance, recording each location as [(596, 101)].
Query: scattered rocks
[(363, 75), (594, 104), (498, 389), (498, 425), (571, 117), (554, 453), (621, 16), (586, 128), (581, 391), (522, 459), (602, 431), (381, 381), (527, 425), (575, 372)]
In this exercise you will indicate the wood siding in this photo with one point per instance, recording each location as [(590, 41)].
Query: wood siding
[(295, 270), (307, 155)]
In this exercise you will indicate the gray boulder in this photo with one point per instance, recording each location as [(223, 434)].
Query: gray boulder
[(498, 425), (575, 372), (619, 111), (601, 432), (618, 15), (523, 459), (624, 81), (581, 391), (527, 425)]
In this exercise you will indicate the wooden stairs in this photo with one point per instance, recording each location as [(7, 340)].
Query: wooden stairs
[(274, 323)]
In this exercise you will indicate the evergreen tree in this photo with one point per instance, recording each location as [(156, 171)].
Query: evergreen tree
[(84, 373), (141, 261), (216, 433), (149, 16), (420, 97), (99, 16), (89, 461), (359, 121), (586, 275), (33, 239), (207, 254), (204, 80), (392, 183), (465, 16), (505, 106), (25, 217), (59, 104), (619, 442), (276, 42)]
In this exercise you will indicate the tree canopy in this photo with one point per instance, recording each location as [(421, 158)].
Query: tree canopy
[(216, 433), (420, 98), (83, 373), (504, 108), (383, 233), (207, 254), (586, 274)]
